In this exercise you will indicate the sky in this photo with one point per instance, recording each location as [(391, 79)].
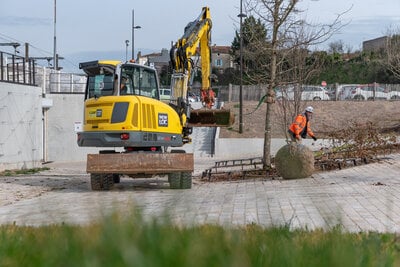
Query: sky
[(89, 29)]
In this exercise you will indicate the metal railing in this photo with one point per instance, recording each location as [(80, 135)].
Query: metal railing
[(17, 69), (57, 82)]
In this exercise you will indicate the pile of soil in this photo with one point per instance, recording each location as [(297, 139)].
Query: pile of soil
[(329, 116)]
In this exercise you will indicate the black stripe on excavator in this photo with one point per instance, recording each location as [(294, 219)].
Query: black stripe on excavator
[(119, 112)]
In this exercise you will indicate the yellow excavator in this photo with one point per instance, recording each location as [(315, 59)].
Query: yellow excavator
[(124, 115)]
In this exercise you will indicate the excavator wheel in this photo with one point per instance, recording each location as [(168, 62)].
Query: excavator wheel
[(180, 180), (186, 180), (174, 180), (101, 182)]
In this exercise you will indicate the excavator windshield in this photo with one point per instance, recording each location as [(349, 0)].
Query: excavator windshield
[(125, 79), (138, 80)]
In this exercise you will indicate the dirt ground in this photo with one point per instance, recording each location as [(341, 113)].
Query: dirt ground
[(328, 116)]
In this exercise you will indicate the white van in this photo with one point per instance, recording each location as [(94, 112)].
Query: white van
[(165, 94)]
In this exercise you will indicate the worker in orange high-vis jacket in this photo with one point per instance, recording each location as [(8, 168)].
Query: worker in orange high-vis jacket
[(301, 126)]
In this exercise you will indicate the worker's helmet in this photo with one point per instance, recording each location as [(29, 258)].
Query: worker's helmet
[(310, 109)]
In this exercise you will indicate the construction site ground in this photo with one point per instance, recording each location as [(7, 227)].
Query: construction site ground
[(360, 198), (328, 116)]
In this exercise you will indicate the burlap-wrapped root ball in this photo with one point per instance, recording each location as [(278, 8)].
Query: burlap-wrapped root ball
[(294, 161)]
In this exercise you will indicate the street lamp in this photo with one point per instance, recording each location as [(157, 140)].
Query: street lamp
[(241, 16), (133, 33), (55, 62), (15, 45), (126, 49)]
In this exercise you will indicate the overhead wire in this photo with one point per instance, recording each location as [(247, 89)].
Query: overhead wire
[(42, 52)]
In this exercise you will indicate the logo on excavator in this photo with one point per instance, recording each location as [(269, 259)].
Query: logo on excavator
[(162, 119), (99, 112)]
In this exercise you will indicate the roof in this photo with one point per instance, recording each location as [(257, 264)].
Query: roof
[(220, 49)]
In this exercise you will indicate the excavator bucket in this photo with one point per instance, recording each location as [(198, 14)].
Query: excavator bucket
[(211, 118)]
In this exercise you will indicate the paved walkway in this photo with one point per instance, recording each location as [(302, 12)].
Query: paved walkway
[(363, 198)]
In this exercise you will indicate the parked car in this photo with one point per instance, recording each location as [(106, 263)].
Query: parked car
[(165, 94), (193, 97), (369, 92), (394, 95), (343, 91), (308, 92)]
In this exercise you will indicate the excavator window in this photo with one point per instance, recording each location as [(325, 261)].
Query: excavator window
[(141, 81), (100, 85)]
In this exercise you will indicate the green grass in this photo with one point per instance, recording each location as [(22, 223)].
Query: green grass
[(23, 171), (133, 242)]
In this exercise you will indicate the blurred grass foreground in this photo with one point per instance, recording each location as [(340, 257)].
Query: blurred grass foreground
[(118, 241)]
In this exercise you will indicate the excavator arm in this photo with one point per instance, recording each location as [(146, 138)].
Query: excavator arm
[(197, 38), (197, 35)]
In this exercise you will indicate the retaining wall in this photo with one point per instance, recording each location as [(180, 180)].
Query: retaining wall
[(21, 126)]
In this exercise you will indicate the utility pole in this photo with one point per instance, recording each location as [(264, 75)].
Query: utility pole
[(55, 61), (133, 33), (241, 16)]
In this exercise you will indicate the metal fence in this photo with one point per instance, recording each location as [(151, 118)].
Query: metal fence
[(337, 92), (57, 82), (17, 69)]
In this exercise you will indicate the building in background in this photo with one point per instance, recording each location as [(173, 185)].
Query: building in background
[(375, 44)]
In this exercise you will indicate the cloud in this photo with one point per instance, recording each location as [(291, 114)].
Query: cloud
[(24, 21), (364, 28)]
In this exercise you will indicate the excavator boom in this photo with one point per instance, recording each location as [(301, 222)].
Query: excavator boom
[(197, 38)]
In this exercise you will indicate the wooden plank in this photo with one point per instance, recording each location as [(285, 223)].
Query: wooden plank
[(140, 163)]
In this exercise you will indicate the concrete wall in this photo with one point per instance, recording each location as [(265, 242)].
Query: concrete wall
[(61, 137), (30, 134), (21, 126)]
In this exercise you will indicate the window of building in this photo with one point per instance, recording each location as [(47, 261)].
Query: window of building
[(218, 62)]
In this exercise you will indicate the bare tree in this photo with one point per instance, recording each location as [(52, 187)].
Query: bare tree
[(393, 53), (289, 34), (336, 47)]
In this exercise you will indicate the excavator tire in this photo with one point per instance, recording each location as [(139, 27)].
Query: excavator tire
[(101, 182), (186, 180), (180, 180), (174, 180), (116, 178)]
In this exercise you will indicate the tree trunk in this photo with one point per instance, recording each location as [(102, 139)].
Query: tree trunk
[(270, 99), (267, 137)]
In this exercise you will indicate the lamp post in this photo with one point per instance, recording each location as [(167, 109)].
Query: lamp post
[(15, 45), (241, 16), (55, 62), (133, 33), (126, 49)]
